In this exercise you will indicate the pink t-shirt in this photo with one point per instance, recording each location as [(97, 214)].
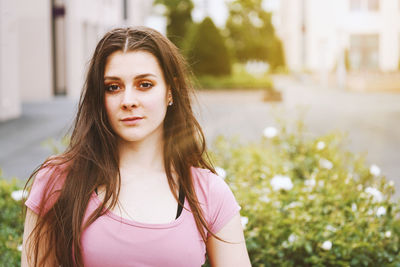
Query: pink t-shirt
[(115, 241)]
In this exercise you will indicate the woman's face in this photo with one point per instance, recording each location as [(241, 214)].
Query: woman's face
[(136, 96)]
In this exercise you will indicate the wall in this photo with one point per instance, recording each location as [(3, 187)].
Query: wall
[(27, 66), (34, 49), (10, 106), (328, 28)]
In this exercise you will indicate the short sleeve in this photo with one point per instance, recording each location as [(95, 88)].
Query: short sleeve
[(222, 205), (46, 187)]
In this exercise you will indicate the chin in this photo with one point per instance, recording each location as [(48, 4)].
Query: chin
[(130, 139)]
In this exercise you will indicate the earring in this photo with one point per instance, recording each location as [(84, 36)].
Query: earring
[(170, 103)]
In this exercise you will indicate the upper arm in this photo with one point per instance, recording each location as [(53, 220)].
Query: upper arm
[(226, 254), (30, 223), (27, 255)]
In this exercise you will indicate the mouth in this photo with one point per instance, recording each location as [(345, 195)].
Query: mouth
[(131, 121), (133, 118)]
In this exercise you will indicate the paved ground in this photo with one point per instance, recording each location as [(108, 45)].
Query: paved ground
[(370, 119), (21, 140)]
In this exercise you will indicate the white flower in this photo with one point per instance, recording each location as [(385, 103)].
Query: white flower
[(391, 183), (327, 245), (359, 187), (320, 145), (279, 182), (277, 204), (380, 211), (326, 164), (388, 234), (294, 204), (311, 197), (19, 248), (310, 182), (19, 195), (221, 172), (292, 238), (270, 132), (375, 170), (377, 195), (244, 221), (330, 228), (306, 189), (265, 199), (321, 183), (354, 207)]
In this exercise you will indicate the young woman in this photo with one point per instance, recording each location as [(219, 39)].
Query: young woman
[(134, 187)]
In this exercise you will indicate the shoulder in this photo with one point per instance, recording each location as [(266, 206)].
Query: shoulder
[(51, 174), (215, 193), (205, 180), (47, 184)]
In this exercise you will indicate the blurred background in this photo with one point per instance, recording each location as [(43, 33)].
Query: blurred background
[(333, 63)]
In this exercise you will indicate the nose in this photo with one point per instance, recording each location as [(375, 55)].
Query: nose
[(130, 99)]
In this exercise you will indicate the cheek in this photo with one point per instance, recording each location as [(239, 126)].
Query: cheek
[(156, 103), (111, 105)]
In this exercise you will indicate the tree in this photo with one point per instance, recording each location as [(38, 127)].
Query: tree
[(251, 33), (179, 17), (206, 50)]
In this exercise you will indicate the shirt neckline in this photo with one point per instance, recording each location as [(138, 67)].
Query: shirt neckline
[(118, 218)]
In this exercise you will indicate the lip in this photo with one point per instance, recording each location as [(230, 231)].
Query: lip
[(131, 120)]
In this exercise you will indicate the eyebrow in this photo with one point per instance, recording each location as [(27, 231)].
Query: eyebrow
[(144, 75)]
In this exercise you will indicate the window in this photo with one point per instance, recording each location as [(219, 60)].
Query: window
[(364, 51)]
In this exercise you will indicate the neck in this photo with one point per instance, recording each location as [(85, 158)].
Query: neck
[(141, 157)]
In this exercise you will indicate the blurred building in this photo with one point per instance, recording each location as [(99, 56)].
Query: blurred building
[(45, 45), (322, 35)]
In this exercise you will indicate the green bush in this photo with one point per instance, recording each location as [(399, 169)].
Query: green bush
[(206, 50), (310, 203), (235, 82), (239, 79), (251, 34), (179, 18), (11, 222)]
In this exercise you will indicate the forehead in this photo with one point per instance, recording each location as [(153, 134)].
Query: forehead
[(132, 63)]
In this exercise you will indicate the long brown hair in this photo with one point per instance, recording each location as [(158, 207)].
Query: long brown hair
[(91, 159)]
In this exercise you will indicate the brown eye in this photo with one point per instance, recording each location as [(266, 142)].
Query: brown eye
[(145, 84), (112, 87)]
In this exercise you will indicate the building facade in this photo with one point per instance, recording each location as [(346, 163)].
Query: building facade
[(320, 35), (45, 45)]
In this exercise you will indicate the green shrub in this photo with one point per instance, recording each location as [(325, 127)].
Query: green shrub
[(206, 50), (239, 79), (251, 34), (235, 82), (11, 222), (310, 203), (179, 18)]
